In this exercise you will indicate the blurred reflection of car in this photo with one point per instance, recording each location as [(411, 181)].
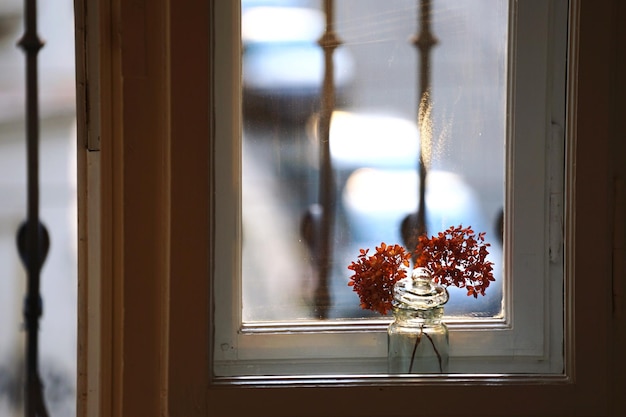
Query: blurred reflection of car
[(283, 65)]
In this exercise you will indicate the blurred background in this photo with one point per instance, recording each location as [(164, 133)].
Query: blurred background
[(374, 141), (57, 206)]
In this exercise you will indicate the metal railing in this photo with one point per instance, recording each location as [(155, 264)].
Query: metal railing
[(32, 237), (319, 220), (414, 224)]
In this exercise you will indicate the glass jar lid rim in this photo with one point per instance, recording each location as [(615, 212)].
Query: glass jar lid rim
[(419, 291)]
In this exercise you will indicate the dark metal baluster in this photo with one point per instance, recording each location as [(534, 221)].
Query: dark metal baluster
[(32, 237), (319, 221), (329, 42), (414, 224)]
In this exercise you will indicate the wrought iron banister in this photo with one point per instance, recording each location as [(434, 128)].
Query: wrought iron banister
[(414, 224), (32, 237), (319, 220)]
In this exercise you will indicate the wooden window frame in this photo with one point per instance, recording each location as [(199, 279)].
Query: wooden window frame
[(145, 206), (514, 343)]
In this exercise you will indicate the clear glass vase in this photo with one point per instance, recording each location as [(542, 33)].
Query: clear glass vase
[(418, 338)]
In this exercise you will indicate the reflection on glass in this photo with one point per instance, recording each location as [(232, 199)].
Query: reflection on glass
[(374, 141)]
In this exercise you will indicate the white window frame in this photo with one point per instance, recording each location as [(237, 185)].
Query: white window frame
[(525, 340)]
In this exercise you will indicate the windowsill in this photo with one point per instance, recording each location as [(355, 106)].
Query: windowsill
[(362, 325), (384, 379), (329, 349)]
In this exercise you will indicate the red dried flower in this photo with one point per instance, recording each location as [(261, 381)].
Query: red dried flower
[(375, 275), (457, 257)]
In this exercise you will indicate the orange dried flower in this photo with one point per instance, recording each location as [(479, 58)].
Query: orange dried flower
[(457, 257), (375, 275)]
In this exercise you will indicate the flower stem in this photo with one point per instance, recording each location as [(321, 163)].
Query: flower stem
[(417, 342), (432, 342)]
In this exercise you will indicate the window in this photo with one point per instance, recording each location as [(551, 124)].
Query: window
[(524, 115), (143, 288), (374, 143)]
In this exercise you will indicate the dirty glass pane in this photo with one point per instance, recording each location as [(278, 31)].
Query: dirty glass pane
[(374, 142), (57, 343)]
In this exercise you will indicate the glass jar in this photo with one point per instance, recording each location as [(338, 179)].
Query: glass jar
[(418, 338)]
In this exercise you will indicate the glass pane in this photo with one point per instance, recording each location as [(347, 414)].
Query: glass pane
[(374, 142)]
